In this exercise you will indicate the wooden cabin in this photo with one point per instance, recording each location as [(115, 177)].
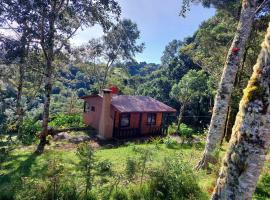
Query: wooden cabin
[(124, 116)]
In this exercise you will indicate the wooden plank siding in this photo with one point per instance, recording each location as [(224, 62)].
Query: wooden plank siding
[(138, 125), (146, 128), (134, 120)]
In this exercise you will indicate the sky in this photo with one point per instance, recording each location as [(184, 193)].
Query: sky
[(158, 22)]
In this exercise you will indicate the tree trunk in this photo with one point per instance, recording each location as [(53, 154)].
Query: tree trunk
[(250, 139), (49, 70), (223, 96), (180, 117), (46, 109), (19, 106), (230, 122)]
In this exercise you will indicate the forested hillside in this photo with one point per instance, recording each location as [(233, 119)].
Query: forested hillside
[(216, 78)]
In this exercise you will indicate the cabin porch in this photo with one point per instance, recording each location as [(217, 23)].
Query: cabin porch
[(129, 125)]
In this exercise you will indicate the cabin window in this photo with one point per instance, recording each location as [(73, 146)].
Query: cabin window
[(151, 118), (93, 109), (86, 107), (125, 120)]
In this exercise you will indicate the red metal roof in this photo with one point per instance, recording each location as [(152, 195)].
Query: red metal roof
[(128, 103)]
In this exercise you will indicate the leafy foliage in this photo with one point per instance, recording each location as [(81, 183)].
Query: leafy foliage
[(170, 142), (131, 169), (87, 163), (192, 86), (186, 131), (30, 128), (104, 167), (120, 194), (174, 180), (263, 188), (64, 120)]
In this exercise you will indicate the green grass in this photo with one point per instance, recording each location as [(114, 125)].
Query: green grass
[(22, 162)]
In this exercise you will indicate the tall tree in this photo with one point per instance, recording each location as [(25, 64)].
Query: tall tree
[(53, 24), (15, 42), (251, 139), (171, 52), (223, 96), (118, 44), (192, 86)]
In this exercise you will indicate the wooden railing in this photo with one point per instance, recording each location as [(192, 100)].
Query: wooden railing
[(156, 131), (135, 132), (126, 133)]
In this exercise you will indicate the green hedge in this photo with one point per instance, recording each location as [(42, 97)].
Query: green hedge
[(66, 120)]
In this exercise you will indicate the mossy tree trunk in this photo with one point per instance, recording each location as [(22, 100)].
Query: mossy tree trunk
[(251, 135), (226, 84)]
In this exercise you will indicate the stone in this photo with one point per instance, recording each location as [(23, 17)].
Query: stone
[(61, 136), (79, 139)]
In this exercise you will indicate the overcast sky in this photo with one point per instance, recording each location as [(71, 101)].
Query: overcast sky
[(159, 23)]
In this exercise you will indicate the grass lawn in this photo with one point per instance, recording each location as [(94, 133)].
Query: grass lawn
[(22, 162)]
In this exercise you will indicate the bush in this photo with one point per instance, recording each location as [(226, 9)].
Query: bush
[(170, 142), (172, 129), (120, 194), (131, 169), (90, 196), (4, 153), (86, 155), (174, 180), (263, 188), (68, 191), (185, 131), (104, 167), (140, 193), (64, 120), (33, 189), (28, 131), (157, 141)]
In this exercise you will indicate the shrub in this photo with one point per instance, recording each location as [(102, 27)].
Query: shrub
[(4, 153), (131, 169), (104, 167), (144, 157), (140, 193), (172, 129), (54, 174), (28, 131), (174, 180), (87, 164), (170, 142), (263, 188), (68, 191), (120, 194), (157, 141), (185, 131), (32, 189), (64, 120), (90, 196)]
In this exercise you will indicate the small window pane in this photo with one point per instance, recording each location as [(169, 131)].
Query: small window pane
[(125, 120), (151, 119), (93, 108)]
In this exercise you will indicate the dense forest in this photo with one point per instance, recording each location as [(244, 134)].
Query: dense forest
[(217, 79)]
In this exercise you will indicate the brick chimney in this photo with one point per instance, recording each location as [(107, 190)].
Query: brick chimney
[(106, 122)]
